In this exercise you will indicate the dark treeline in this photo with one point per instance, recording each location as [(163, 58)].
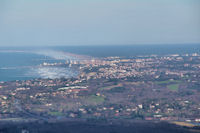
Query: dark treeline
[(92, 127)]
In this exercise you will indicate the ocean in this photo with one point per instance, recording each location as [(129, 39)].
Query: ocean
[(23, 63)]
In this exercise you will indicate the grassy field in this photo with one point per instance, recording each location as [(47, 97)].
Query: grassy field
[(93, 99), (167, 82), (183, 124), (96, 99), (117, 90), (173, 87), (110, 87), (55, 113)]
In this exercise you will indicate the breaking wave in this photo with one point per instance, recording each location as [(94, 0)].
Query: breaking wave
[(31, 68), (59, 55), (17, 67), (52, 72)]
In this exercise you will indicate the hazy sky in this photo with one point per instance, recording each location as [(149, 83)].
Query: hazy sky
[(92, 22)]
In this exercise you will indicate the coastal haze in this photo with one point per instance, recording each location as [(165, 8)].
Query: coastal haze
[(104, 88), (25, 63), (99, 66), (21, 65)]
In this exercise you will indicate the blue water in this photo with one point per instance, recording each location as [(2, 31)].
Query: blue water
[(16, 65), (25, 65), (132, 50)]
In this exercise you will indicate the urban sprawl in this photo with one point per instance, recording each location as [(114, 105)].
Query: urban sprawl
[(154, 87)]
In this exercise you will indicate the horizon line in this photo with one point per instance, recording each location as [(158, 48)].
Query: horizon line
[(77, 45)]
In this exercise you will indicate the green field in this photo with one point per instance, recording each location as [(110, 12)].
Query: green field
[(55, 113), (173, 87), (95, 99), (110, 87), (167, 82), (117, 90)]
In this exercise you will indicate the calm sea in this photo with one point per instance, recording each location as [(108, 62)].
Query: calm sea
[(24, 63), (15, 65), (128, 50)]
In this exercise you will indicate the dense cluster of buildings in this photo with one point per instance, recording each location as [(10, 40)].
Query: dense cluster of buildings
[(142, 87)]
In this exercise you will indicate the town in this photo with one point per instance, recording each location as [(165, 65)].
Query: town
[(154, 87)]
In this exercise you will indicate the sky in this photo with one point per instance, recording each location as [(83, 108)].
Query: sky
[(98, 22)]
